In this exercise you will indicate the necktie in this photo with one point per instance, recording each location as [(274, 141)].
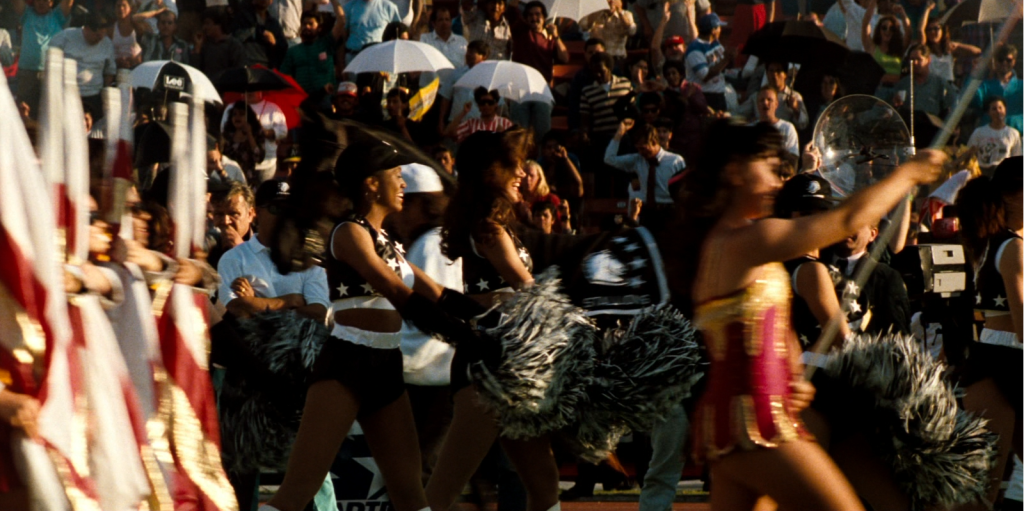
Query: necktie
[(842, 263), (652, 181)]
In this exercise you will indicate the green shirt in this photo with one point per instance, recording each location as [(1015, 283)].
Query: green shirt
[(312, 65)]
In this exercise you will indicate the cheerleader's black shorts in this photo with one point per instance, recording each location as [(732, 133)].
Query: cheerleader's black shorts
[(374, 375), (1000, 363)]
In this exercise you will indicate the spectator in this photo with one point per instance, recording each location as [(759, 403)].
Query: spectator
[(38, 26), (215, 50), (831, 89), (543, 214), (273, 129), (233, 213), (884, 294), (399, 123), (364, 22), (250, 283), (345, 104), (311, 62), (597, 115), (614, 26), (561, 168), (996, 141), (749, 17), (706, 58), (767, 104), (792, 106), (128, 29), (165, 43), (487, 102), (687, 107), (932, 94), (91, 49), (944, 49), (221, 171), (452, 46), (539, 47), (640, 76), (583, 78), (467, 10), (289, 14), (476, 52), (152, 9), (243, 139), (854, 14), (673, 47), (677, 17), (885, 44), (444, 157), (1004, 83), (261, 35), (652, 166), (488, 24)]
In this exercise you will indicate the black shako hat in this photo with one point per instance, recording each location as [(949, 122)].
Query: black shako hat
[(804, 193), (366, 157)]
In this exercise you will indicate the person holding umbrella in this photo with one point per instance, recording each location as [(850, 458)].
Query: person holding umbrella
[(487, 102), (792, 106)]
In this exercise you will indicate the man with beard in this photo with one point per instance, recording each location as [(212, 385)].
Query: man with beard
[(882, 304), (311, 63)]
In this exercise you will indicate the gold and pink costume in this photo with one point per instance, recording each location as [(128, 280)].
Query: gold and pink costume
[(747, 334)]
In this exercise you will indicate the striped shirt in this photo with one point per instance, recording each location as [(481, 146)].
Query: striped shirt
[(471, 126), (701, 56), (599, 104)]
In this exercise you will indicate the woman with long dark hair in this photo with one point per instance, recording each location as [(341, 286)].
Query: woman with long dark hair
[(945, 51), (358, 373), (990, 211), (244, 139), (478, 228), (884, 42), (747, 421)]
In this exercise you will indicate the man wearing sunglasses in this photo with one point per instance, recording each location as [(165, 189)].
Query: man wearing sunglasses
[(250, 282), (1003, 83)]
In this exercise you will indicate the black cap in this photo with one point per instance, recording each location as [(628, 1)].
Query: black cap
[(367, 157), (1009, 175), (273, 190), (804, 193)]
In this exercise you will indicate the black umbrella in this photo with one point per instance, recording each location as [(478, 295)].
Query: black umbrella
[(859, 74), (801, 42), (249, 79)]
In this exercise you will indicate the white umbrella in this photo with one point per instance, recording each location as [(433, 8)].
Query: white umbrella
[(514, 81), (173, 76), (398, 56), (573, 9)]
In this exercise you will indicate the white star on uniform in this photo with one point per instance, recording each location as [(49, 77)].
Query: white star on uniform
[(854, 306), (619, 239), (632, 247), (636, 282), (638, 263), (523, 254), (1000, 301), (851, 287), (400, 248), (977, 299), (482, 285), (393, 263), (377, 483), (342, 289), (804, 340), (367, 288)]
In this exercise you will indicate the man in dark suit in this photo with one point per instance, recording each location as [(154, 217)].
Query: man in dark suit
[(882, 304)]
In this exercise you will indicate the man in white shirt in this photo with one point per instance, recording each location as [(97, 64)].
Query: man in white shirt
[(653, 167), (453, 46), (996, 141), (91, 49), (275, 128), (250, 282), (793, 108), (767, 104)]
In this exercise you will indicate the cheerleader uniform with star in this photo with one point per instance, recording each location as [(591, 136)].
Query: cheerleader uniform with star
[(369, 363)]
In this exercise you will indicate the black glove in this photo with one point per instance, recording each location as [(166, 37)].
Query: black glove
[(432, 319), (459, 305)]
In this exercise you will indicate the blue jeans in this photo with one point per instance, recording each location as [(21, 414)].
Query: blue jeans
[(532, 114), (666, 466)]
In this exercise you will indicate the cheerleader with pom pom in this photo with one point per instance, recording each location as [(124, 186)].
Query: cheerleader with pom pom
[(747, 421)]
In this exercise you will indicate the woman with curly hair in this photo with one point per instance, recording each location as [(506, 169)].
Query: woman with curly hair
[(747, 422), (243, 140), (884, 42), (478, 228)]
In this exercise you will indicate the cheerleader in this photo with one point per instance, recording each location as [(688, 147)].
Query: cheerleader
[(747, 421), (358, 373), (990, 213), (478, 228)]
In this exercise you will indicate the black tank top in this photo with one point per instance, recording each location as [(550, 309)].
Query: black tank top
[(806, 325), (988, 282), (479, 275), (345, 281)]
